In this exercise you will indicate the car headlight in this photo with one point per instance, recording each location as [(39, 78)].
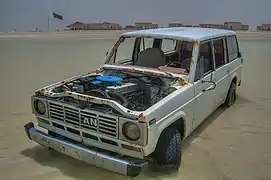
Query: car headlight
[(40, 107), (131, 131)]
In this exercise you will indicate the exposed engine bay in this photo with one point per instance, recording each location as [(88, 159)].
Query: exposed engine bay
[(135, 92)]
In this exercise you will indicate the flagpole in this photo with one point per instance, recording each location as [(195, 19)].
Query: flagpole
[(52, 15), (49, 15), (49, 22)]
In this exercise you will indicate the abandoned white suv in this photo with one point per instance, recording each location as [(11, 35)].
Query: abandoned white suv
[(153, 89)]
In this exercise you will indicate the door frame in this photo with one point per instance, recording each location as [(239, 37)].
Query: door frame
[(221, 69), (199, 86)]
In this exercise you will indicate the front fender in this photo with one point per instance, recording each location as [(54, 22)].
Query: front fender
[(170, 119), (178, 105)]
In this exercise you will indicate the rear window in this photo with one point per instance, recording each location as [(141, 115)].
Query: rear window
[(232, 48)]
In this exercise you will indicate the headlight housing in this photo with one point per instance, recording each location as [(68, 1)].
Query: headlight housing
[(39, 107), (131, 131)]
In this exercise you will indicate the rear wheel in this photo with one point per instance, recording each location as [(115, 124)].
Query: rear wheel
[(168, 154), (231, 97)]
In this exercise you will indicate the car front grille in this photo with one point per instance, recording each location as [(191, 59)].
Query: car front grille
[(84, 119)]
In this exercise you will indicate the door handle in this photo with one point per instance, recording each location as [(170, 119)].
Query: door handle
[(228, 71)]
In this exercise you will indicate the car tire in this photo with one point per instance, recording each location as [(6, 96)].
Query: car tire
[(231, 97), (168, 152)]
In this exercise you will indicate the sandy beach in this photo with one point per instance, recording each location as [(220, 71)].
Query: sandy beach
[(232, 144)]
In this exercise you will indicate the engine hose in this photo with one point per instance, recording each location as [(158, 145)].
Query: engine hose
[(97, 93), (118, 97), (137, 81)]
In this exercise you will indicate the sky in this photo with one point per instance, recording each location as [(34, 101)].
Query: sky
[(30, 14)]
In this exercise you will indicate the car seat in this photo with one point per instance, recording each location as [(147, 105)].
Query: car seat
[(151, 57)]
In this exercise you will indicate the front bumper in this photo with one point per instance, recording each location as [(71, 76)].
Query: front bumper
[(132, 167)]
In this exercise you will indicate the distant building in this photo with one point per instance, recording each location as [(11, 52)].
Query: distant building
[(130, 27), (259, 28), (216, 26), (145, 25), (76, 26), (266, 27), (94, 26), (245, 27), (175, 24), (109, 25), (234, 25), (190, 25)]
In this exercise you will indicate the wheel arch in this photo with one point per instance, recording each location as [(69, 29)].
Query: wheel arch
[(179, 123), (234, 79), (176, 119)]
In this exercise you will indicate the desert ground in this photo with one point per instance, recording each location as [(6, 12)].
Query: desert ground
[(232, 144)]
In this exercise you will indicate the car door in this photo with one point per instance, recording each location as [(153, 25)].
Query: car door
[(221, 72), (235, 59), (204, 100)]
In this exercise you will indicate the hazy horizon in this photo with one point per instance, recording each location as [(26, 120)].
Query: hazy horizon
[(30, 14)]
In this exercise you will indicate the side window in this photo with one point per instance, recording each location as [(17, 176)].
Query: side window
[(232, 47), (219, 53), (146, 43), (168, 45), (205, 55)]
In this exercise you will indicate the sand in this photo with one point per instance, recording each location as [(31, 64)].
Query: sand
[(231, 144)]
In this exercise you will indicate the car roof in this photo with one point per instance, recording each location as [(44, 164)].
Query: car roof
[(181, 33)]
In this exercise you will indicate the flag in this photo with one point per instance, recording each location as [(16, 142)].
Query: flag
[(57, 16)]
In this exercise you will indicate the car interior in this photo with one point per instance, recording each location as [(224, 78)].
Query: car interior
[(205, 55), (219, 53), (176, 61)]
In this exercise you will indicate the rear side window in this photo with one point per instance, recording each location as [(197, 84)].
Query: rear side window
[(232, 47), (146, 43), (219, 53), (168, 45)]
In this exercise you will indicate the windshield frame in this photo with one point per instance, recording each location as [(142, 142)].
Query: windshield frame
[(112, 54)]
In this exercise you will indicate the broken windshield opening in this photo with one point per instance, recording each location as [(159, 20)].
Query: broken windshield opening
[(168, 55)]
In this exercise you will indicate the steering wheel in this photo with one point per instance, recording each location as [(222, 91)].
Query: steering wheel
[(177, 64)]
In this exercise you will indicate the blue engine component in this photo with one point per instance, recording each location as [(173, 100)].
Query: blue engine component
[(96, 82), (107, 80)]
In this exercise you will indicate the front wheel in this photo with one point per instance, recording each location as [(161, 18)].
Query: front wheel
[(168, 152)]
